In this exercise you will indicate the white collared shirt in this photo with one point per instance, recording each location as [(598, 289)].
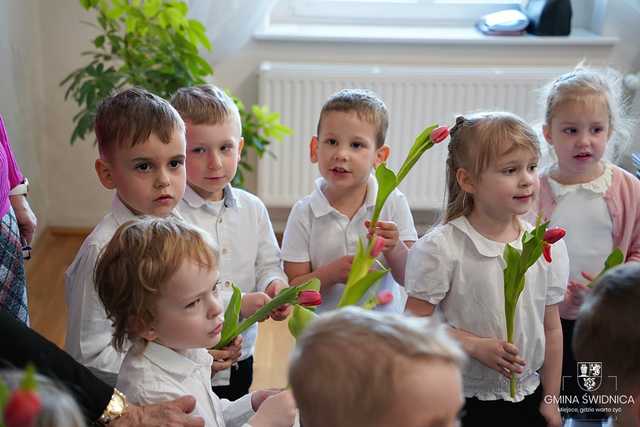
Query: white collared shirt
[(157, 373), (318, 233), (89, 331), (581, 207), (249, 255), (461, 272)]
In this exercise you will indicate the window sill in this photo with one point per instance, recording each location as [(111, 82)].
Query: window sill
[(420, 35)]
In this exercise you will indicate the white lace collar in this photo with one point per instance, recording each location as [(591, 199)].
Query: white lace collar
[(599, 185)]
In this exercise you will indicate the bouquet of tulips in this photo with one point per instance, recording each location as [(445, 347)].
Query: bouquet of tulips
[(535, 242)]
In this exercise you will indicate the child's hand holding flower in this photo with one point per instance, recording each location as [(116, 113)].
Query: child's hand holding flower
[(252, 302), (274, 288), (387, 231), (227, 356)]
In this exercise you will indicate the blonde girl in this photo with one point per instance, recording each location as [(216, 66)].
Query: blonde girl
[(597, 202), (492, 179)]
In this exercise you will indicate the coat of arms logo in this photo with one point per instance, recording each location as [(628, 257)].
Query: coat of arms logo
[(589, 375)]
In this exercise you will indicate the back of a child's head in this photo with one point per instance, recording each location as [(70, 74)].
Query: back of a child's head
[(57, 407), (346, 368), (606, 328), (587, 86), (130, 117), (205, 105), (140, 258), (366, 104), (476, 142)]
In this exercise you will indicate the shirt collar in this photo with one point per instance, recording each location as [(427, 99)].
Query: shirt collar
[(122, 214), (599, 185), (179, 364), (484, 246), (321, 206), (194, 200)]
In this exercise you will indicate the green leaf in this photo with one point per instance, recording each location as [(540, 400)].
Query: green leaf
[(231, 315), (354, 293), (616, 257), (300, 319), (387, 182)]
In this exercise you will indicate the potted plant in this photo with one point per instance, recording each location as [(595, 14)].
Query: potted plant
[(154, 45)]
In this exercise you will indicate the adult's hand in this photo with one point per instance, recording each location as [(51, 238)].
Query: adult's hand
[(27, 220), (172, 413)]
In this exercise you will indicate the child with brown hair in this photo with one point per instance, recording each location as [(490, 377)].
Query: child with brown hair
[(158, 279), (323, 228), (492, 179)]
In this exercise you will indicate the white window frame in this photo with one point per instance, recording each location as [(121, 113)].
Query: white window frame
[(387, 12)]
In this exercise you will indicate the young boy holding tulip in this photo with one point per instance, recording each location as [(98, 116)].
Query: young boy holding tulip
[(323, 228), (158, 279), (237, 220), (413, 380)]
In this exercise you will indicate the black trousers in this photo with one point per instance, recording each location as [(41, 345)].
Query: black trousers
[(483, 413), (241, 379)]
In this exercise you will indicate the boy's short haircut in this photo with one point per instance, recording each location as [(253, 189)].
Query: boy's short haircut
[(141, 257), (205, 104), (130, 116), (345, 366), (366, 104), (606, 329)]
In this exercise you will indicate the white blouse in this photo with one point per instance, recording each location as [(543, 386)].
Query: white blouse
[(461, 272)]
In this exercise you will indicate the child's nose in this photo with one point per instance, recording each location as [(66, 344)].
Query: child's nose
[(214, 161), (215, 307), (162, 179)]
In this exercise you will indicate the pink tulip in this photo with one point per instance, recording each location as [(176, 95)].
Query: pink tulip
[(439, 134), (309, 298), (554, 234), (384, 297), (378, 244)]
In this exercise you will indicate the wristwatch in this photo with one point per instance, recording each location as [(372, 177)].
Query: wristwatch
[(116, 407), (22, 188)]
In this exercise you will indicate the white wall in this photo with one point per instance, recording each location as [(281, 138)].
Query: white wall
[(41, 42)]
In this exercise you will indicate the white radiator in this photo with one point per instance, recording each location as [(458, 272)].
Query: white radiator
[(415, 97)]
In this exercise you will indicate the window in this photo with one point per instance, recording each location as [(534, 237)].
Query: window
[(387, 12)]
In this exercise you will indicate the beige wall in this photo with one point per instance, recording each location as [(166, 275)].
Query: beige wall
[(41, 43)]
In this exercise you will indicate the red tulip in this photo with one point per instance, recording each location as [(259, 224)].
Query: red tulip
[(554, 234), (439, 134), (546, 251), (384, 297), (22, 409), (378, 244), (309, 298)]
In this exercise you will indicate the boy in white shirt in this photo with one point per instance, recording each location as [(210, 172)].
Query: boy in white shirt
[(158, 279), (237, 220), (142, 145), (323, 228)]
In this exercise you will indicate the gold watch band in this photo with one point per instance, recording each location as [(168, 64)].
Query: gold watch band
[(116, 407)]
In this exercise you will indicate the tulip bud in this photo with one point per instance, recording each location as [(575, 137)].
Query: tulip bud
[(546, 251), (378, 244), (22, 409), (439, 134), (554, 234), (309, 298), (384, 297)]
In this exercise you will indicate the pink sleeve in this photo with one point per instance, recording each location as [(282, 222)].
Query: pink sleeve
[(14, 173)]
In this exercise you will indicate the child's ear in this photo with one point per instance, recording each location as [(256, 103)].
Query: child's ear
[(139, 328), (240, 146), (103, 169), (465, 181), (547, 133), (382, 154), (313, 149)]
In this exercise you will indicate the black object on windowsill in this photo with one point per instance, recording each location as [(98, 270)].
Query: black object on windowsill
[(549, 17)]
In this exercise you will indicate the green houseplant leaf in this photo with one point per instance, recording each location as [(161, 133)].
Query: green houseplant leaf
[(154, 45)]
